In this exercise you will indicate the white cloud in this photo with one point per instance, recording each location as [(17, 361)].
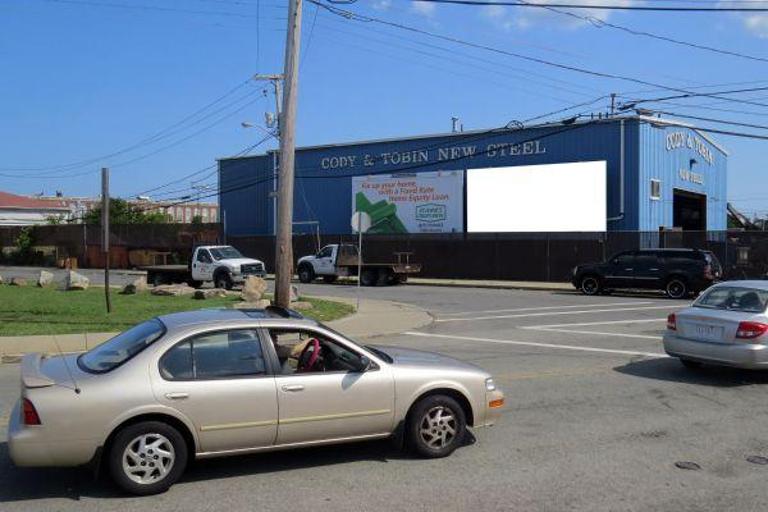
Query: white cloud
[(382, 5), (424, 8), (757, 24), (521, 18)]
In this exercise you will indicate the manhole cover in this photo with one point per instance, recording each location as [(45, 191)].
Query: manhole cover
[(684, 464), (757, 459)]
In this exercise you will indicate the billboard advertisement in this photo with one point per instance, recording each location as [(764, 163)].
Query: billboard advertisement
[(427, 202), (545, 198)]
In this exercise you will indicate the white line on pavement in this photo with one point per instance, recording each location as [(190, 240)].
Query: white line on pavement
[(595, 323), (544, 308), (540, 345), (550, 313), (596, 333)]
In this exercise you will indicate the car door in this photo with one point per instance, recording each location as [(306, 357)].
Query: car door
[(202, 266), (621, 271), (325, 261), (647, 270), (221, 381), (325, 405)]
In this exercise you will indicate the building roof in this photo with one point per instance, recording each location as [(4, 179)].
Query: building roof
[(13, 201)]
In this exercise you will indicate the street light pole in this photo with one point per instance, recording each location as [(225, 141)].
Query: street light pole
[(287, 129)]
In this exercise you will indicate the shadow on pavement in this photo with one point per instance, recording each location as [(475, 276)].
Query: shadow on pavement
[(28, 484), (670, 370)]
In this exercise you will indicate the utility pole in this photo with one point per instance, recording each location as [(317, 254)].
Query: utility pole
[(613, 103), (105, 232), (287, 127)]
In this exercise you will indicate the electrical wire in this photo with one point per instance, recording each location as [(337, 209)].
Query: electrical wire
[(602, 7)]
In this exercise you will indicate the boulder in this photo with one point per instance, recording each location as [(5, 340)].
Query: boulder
[(253, 289), (301, 305), (294, 293), (44, 279), (1, 279), (259, 304), (18, 281), (210, 293), (75, 281), (172, 290), (138, 285)]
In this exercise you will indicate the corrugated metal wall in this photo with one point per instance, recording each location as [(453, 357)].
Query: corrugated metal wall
[(323, 174), (665, 152)]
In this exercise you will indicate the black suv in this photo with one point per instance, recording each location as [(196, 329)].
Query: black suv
[(679, 272)]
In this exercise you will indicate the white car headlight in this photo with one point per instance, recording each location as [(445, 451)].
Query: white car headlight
[(489, 384)]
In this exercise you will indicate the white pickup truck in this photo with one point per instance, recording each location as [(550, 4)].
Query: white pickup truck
[(222, 264), (340, 260)]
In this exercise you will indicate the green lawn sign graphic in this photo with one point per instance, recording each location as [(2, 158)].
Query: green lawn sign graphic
[(384, 219)]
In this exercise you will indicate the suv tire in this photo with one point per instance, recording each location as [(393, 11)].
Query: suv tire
[(676, 288), (590, 285), (436, 426), (129, 454)]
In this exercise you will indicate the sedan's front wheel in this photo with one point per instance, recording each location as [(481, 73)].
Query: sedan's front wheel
[(147, 458), (436, 426)]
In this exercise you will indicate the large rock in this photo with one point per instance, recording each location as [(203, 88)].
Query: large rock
[(173, 290), (210, 293), (1, 279), (259, 304), (138, 285), (18, 281), (253, 289), (301, 305), (44, 279), (75, 281), (294, 293)]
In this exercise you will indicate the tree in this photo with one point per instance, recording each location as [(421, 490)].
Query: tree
[(123, 212), (197, 220)]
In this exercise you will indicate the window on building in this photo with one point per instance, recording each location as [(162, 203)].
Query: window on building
[(213, 214), (188, 215), (655, 189)]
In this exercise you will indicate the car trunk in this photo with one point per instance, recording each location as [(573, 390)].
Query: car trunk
[(712, 325)]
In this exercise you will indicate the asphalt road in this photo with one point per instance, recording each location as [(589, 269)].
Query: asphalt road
[(596, 420)]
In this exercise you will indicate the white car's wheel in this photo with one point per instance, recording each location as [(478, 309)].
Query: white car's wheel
[(147, 458), (436, 426)]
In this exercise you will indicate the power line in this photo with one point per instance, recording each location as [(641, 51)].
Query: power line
[(350, 15), (600, 6)]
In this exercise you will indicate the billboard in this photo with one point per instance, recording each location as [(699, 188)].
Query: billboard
[(427, 202), (546, 198)]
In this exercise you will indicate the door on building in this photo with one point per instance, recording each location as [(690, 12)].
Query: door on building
[(689, 210)]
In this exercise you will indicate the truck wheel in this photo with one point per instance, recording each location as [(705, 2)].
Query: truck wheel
[(369, 277), (386, 277), (306, 274), (222, 280), (329, 279)]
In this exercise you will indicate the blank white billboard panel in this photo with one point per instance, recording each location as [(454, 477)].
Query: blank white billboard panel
[(555, 197)]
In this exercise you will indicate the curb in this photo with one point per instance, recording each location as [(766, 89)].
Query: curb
[(386, 318)]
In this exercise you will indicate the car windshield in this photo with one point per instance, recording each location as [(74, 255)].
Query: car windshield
[(225, 253), (114, 352), (734, 298)]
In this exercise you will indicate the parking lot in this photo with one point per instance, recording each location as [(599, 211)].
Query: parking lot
[(596, 419)]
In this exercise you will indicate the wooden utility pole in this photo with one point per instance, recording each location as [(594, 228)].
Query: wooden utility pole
[(105, 232), (287, 127)]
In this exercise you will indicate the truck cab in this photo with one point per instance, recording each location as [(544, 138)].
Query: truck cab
[(224, 265), (325, 263)]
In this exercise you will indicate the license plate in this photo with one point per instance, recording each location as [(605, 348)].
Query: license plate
[(708, 332)]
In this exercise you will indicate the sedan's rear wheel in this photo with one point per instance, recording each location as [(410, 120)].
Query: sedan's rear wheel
[(436, 426), (147, 458)]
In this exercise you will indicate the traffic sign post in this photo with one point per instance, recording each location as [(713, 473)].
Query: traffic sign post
[(361, 222)]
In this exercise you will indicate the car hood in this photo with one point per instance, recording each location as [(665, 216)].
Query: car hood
[(422, 359), (236, 262)]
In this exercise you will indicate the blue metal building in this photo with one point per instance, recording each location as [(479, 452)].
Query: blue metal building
[(660, 173)]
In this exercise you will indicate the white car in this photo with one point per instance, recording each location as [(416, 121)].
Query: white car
[(727, 325)]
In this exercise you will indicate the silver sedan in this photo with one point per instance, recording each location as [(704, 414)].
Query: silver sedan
[(726, 325), (212, 383)]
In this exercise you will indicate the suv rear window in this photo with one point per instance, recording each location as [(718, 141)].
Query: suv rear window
[(116, 351), (733, 298)]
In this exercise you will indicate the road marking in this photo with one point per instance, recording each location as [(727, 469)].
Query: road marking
[(551, 313), (544, 308), (541, 345), (581, 324), (596, 333)]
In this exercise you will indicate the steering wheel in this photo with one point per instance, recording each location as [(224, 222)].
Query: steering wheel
[(309, 356)]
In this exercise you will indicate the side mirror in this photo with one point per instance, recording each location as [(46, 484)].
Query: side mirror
[(364, 364)]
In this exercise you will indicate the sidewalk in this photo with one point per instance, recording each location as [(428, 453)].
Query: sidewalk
[(375, 318), (476, 283)]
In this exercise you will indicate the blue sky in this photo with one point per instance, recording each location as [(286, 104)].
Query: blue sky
[(86, 78)]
